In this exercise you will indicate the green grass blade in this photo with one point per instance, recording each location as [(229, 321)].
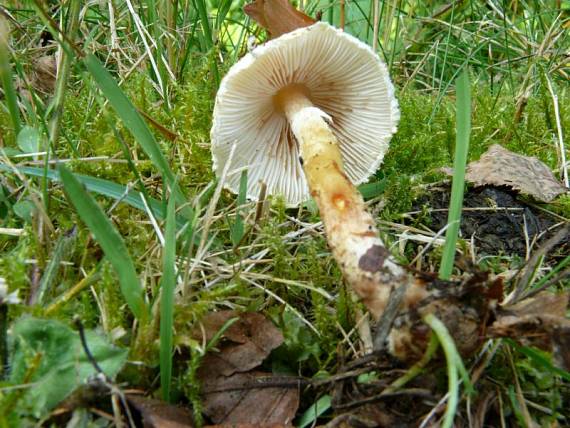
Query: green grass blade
[(168, 283), (553, 272), (6, 77), (540, 360), (216, 337), (314, 411), (109, 239), (63, 249), (57, 105), (223, 9), (101, 187), (202, 8), (135, 123), (463, 124), (454, 366)]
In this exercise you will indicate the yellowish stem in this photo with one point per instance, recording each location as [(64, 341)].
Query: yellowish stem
[(351, 233)]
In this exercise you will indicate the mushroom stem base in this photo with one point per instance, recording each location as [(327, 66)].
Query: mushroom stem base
[(351, 233)]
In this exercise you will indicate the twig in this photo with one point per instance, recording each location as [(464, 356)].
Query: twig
[(526, 273), (421, 392), (88, 354), (117, 396), (385, 324)]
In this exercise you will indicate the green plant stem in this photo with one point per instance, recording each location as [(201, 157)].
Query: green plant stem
[(451, 356), (6, 77), (110, 241), (463, 126), (64, 68), (63, 249), (93, 276), (3, 340), (167, 300), (417, 368)]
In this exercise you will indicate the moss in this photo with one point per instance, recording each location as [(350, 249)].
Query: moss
[(423, 144), (13, 266)]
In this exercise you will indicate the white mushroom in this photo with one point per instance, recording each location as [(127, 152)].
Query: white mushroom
[(311, 114)]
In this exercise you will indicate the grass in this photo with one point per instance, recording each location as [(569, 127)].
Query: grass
[(168, 285), (117, 177), (109, 240), (454, 368), (463, 123)]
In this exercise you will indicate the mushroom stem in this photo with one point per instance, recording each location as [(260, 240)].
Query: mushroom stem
[(351, 233)]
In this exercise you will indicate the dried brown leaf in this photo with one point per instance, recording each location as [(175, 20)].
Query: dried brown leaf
[(158, 414), (367, 416), (501, 167), (536, 321), (277, 16), (247, 398), (246, 343), (248, 426), (44, 74), (231, 392), (561, 346)]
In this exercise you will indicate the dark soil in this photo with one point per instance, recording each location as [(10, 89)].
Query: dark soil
[(497, 225)]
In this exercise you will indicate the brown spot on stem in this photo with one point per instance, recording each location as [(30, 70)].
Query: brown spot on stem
[(340, 201), (368, 234), (373, 259)]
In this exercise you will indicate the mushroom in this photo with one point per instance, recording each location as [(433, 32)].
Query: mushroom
[(311, 114)]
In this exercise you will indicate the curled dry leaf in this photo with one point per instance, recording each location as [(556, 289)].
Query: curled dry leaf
[(501, 167), (537, 321), (158, 414), (44, 74), (246, 343), (233, 393), (277, 16)]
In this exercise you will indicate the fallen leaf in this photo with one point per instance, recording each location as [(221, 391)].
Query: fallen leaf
[(44, 74), (536, 321), (158, 414), (501, 167), (561, 346), (247, 398), (248, 426), (277, 16), (246, 343), (231, 392), (367, 416)]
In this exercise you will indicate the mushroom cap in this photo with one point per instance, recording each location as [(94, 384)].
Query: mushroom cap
[(343, 77)]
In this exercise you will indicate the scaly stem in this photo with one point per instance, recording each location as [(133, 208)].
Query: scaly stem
[(351, 233)]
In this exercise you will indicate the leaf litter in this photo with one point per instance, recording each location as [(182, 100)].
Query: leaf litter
[(154, 413), (233, 390), (528, 175)]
